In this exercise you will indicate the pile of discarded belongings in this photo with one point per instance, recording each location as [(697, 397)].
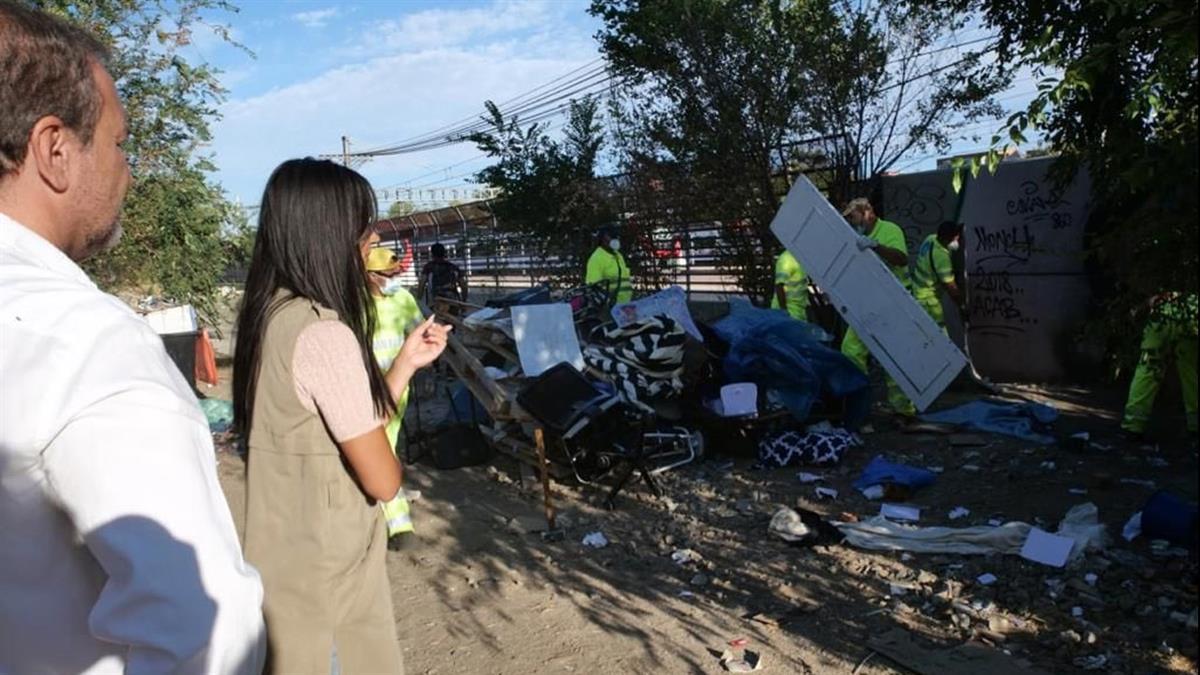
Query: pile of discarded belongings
[(642, 388)]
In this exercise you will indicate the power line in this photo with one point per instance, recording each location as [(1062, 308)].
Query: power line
[(536, 108), (473, 117), (589, 82)]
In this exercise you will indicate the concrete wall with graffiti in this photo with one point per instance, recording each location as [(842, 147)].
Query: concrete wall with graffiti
[(1022, 259)]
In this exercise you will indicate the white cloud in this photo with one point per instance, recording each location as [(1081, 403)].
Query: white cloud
[(399, 93), (316, 18)]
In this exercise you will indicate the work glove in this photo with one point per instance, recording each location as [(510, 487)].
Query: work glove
[(864, 242)]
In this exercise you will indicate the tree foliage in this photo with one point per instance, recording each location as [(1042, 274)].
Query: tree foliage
[(1116, 96), (180, 232), (400, 208), (725, 100), (548, 187)]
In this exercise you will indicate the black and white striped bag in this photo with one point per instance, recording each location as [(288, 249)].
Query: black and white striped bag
[(643, 360)]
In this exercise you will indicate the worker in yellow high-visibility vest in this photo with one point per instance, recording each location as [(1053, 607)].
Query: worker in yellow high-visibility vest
[(1170, 334), (791, 287), (886, 239), (933, 269), (396, 313), (607, 266)]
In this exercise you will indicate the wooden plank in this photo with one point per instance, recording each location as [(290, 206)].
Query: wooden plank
[(965, 659)]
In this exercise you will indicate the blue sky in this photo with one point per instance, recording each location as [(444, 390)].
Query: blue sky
[(378, 72), (384, 71)]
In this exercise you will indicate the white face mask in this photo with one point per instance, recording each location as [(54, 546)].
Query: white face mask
[(614, 244), (391, 286), (953, 246)]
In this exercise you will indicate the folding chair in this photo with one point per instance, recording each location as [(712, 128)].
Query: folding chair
[(596, 432)]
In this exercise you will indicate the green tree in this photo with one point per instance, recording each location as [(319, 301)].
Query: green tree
[(549, 194), (400, 208), (180, 232), (723, 101), (1117, 97)]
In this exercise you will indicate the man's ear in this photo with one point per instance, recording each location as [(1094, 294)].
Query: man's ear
[(52, 148)]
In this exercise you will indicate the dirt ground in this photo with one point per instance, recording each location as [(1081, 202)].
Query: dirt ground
[(480, 591)]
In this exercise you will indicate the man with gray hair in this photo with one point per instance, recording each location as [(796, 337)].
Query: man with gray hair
[(886, 239), (118, 552)]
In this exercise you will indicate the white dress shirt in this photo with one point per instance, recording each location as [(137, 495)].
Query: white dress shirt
[(118, 553)]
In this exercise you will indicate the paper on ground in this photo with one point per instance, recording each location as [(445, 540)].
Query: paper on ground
[(1048, 549), (545, 337), (900, 512)]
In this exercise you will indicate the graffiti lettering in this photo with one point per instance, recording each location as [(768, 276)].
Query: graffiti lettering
[(1014, 245), (920, 205), (1030, 201), (992, 283)]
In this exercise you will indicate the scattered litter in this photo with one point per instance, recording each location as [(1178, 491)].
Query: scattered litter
[(986, 579), (900, 512), (1049, 465), (805, 477), (685, 556), (748, 663), (1082, 524), (826, 493), (1158, 462), (1077, 612), (874, 492), (995, 522), (1082, 436), (700, 580), (1047, 549), (1077, 491), (686, 594), (1091, 578), (970, 468), (739, 643), (896, 591), (1144, 482), (1093, 662), (959, 512), (1133, 527), (786, 525), (595, 540), (936, 469), (1103, 447)]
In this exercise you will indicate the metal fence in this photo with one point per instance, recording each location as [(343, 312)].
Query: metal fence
[(689, 255)]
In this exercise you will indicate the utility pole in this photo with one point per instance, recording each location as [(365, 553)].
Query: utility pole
[(345, 151)]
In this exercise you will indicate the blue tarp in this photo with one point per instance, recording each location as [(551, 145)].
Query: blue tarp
[(1027, 421), (779, 353), (219, 413), (881, 471)]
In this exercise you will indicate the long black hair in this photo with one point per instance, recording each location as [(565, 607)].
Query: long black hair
[(314, 215)]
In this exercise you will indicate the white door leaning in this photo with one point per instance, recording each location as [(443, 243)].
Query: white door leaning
[(899, 334)]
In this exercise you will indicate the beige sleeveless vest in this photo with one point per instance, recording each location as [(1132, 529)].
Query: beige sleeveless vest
[(317, 540)]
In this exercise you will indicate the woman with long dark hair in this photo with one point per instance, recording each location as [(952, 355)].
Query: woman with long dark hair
[(312, 403)]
